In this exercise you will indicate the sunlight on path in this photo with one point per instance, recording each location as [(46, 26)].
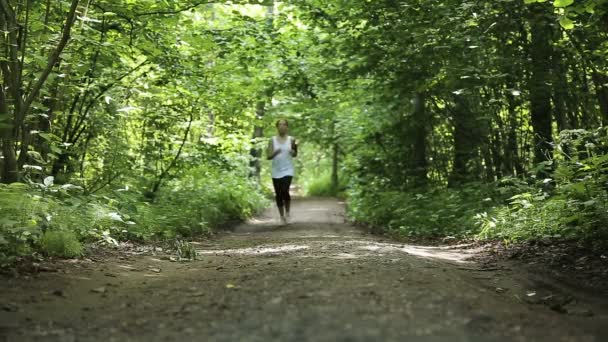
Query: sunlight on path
[(317, 279), (319, 229), (340, 248)]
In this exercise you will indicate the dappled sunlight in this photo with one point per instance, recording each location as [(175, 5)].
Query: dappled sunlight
[(348, 256), (330, 236), (262, 221), (256, 250), (352, 249), (316, 209), (448, 253)]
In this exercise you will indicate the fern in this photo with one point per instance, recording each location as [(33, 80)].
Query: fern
[(61, 244), (185, 250)]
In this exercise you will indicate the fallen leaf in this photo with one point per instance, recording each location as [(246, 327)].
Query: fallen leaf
[(101, 289), (10, 307), (580, 312), (47, 269)]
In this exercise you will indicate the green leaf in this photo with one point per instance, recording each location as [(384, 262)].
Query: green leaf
[(47, 136), (563, 3), (566, 23)]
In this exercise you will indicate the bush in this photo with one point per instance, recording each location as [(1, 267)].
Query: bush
[(202, 200), (61, 244), (576, 207), (21, 220), (424, 214), (573, 204), (321, 186)]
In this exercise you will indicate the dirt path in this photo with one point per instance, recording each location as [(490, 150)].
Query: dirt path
[(318, 279)]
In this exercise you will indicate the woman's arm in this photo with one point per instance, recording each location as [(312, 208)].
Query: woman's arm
[(270, 154), (294, 147)]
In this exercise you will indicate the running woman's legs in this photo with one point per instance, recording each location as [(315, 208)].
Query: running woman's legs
[(278, 195), (282, 197), (287, 197)]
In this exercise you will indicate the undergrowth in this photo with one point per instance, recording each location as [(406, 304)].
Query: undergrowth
[(56, 220), (572, 203), (321, 186)]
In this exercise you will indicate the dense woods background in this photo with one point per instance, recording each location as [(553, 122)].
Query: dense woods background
[(139, 120)]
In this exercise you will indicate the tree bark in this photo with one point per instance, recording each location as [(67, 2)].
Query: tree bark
[(420, 132), (258, 133), (560, 93), (465, 144), (540, 91), (54, 57), (601, 91), (8, 173), (512, 163), (335, 181), (15, 100)]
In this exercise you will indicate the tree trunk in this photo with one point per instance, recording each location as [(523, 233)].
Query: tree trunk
[(572, 107), (540, 92), (334, 169), (8, 173), (258, 133), (512, 162), (15, 99), (420, 132), (601, 90), (465, 145), (560, 94), (496, 155)]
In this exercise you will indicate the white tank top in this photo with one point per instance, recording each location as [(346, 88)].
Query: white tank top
[(282, 163)]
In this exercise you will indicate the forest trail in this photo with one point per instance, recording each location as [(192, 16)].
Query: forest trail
[(318, 279)]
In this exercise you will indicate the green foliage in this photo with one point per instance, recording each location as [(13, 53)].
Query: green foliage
[(423, 214), (56, 219), (570, 10), (578, 206), (21, 220), (571, 205), (162, 98), (320, 186), (203, 199), (61, 244), (185, 250), (315, 172)]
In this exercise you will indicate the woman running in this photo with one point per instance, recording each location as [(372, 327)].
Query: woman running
[(281, 149)]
